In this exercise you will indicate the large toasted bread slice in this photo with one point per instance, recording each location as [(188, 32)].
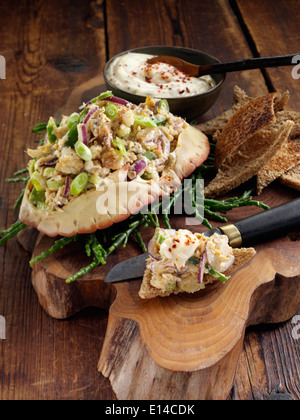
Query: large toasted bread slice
[(147, 291)]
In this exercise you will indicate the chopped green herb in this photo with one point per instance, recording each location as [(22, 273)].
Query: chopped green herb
[(193, 260), (73, 119), (160, 119), (164, 105), (144, 121), (38, 181), (72, 136), (104, 95), (216, 274), (118, 143), (83, 151), (50, 127), (79, 183), (150, 155), (160, 238), (111, 111), (37, 196)]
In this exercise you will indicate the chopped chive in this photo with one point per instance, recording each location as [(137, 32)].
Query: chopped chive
[(83, 151), (111, 111), (216, 274), (118, 143), (164, 105), (79, 183)]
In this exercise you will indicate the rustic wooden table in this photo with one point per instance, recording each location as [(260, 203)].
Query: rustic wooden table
[(52, 47)]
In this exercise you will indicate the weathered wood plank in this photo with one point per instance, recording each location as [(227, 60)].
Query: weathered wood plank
[(50, 48), (275, 30)]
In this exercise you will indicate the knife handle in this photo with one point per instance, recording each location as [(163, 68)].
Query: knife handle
[(264, 226)]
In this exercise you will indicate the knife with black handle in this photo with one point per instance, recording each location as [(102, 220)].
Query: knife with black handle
[(264, 226), (261, 227)]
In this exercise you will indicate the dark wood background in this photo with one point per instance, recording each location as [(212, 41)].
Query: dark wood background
[(51, 47)]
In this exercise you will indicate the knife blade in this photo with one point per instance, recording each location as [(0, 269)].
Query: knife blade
[(261, 227)]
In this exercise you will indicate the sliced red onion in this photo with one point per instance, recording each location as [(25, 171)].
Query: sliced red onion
[(67, 187), (116, 100), (202, 262), (151, 250), (171, 265), (90, 113), (182, 271), (138, 166), (152, 266), (50, 164), (82, 133)]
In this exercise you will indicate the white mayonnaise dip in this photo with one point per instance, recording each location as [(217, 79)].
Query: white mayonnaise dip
[(131, 73)]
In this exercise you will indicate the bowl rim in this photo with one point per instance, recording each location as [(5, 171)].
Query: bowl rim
[(185, 98)]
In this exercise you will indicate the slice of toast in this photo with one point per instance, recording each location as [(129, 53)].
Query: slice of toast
[(247, 160), (147, 291), (215, 126), (285, 159), (291, 178), (246, 122), (252, 137)]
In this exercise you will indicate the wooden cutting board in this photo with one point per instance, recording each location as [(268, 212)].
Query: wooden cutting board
[(184, 346)]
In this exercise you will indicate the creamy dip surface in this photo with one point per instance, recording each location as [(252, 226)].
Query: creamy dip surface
[(131, 73)]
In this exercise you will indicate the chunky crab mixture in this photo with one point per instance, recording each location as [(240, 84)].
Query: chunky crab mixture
[(180, 259), (108, 135)]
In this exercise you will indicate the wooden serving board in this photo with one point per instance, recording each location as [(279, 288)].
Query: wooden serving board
[(184, 346)]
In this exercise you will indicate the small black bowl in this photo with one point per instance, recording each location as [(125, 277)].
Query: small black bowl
[(190, 107)]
